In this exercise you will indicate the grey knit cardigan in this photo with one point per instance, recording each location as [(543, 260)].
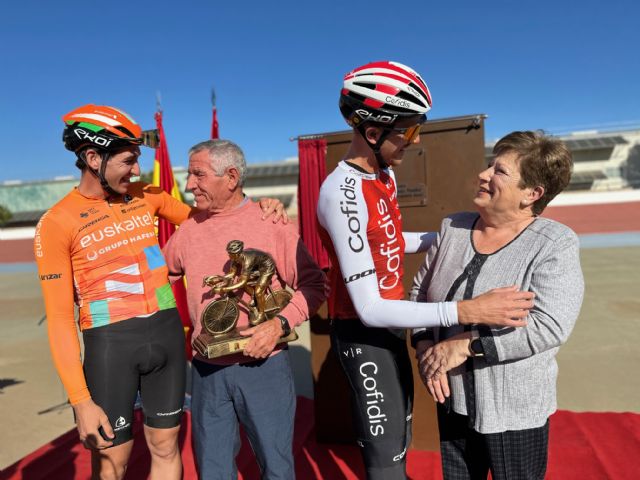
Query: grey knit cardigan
[(515, 383)]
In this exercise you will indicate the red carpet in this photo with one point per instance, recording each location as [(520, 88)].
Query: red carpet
[(583, 446)]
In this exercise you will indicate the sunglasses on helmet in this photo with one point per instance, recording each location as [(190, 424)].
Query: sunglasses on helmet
[(151, 138)]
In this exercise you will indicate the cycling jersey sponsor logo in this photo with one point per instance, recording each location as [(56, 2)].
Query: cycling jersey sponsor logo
[(357, 276), (116, 228), (347, 208), (373, 398), (37, 239), (392, 193), (352, 352), (92, 222), (120, 424), (168, 414), (115, 245), (133, 207), (50, 276), (91, 211), (400, 456), (390, 249)]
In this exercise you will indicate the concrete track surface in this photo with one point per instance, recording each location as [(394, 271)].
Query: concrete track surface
[(597, 365)]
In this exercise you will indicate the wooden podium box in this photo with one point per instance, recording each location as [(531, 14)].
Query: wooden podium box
[(437, 177)]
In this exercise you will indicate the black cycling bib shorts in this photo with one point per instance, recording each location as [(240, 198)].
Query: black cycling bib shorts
[(145, 354)]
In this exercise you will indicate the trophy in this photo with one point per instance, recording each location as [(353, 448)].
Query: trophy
[(251, 271)]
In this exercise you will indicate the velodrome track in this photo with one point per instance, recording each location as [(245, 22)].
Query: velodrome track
[(597, 366)]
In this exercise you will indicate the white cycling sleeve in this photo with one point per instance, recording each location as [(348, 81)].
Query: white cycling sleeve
[(418, 242), (345, 219)]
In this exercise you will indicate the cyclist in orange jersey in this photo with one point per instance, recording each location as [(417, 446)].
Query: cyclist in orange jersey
[(97, 248)]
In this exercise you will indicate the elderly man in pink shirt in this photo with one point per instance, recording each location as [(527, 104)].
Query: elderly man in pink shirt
[(253, 388)]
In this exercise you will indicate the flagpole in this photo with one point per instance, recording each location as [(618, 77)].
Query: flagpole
[(163, 177)]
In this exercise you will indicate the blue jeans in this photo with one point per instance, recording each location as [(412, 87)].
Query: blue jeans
[(260, 395)]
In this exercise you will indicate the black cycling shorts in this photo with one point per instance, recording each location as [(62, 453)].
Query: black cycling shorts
[(377, 365), (145, 354)]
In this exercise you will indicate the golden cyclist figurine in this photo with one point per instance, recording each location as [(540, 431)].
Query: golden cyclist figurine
[(254, 269), (251, 270)]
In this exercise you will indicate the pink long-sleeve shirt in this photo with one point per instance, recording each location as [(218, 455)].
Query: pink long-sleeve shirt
[(198, 249)]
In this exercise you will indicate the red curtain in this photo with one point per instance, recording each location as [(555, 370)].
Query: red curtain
[(312, 154)]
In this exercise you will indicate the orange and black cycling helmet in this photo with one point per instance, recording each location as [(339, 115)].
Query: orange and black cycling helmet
[(105, 128), (100, 126)]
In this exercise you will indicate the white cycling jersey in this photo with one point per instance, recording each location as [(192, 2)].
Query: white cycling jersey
[(361, 228)]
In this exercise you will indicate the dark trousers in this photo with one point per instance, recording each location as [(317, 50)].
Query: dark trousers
[(259, 395), (510, 455)]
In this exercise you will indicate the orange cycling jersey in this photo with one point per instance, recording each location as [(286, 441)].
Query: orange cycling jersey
[(104, 256)]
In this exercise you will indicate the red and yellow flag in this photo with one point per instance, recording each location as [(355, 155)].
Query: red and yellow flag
[(163, 178)]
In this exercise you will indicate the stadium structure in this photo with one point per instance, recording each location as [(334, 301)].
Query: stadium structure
[(606, 168)]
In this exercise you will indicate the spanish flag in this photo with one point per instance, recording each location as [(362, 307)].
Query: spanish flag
[(163, 178), (215, 132)]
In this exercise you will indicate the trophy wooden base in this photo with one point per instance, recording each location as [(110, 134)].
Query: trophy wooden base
[(213, 346)]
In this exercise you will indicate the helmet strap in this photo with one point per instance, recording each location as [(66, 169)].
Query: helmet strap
[(377, 145), (99, 174)]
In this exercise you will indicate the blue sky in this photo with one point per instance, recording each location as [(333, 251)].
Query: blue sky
[(277, 67)]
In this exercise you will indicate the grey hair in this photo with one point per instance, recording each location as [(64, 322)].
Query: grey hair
[(223, 154)]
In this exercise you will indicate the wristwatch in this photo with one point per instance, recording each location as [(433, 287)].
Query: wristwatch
[(284, 323), (475, 346)]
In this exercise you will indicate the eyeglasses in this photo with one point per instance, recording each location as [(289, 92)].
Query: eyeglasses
[(409, 133)]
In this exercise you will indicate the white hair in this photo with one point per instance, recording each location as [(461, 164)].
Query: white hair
[(223, 154)]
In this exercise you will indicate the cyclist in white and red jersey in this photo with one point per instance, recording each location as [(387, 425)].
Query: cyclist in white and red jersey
[(361, 226), (97, 248)]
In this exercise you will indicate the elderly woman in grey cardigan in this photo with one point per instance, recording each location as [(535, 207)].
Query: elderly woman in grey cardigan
[(496, 387)]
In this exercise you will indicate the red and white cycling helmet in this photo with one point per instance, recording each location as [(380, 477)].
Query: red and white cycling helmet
[(386, 94)]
